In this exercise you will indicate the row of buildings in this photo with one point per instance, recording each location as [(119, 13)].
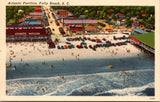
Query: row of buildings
[(31, 28), (74, 24)]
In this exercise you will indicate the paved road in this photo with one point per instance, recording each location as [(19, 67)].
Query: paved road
[(52, 24)]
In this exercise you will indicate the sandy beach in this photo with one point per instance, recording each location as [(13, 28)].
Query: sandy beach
[(39, 50)]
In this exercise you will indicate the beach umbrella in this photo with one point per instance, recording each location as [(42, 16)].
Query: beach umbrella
[(104, 39), (119, 38), (65, 46), (85, 47), (69, 46), (58, 47), (62, 47), (68, 39), (101, 45), (118, 44), (90, 46), (82, 43), (78, 46), (81, 46), (74, 39), (68, 43), (93, 40), (72, 45), (71, 39), (113, 44), (110, 44), (84, 38), (77, 38), (104, 45), (107, 44), (95, 46), (99, 41), (89, 38), (127, 41)]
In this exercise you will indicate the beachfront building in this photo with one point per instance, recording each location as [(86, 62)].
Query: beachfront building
[(77, 30), (138, 31), (121, 22), (120, 15), (91, 29), (144, 41), (81, 25), (31, 28), (82, 17), (25, 32), (31, 23), (35, 13), (29, 16), (38, 9), (79, 22)]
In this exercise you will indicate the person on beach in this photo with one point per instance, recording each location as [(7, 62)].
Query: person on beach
[(52, 65), (62, 59), (36, 67), (21, 71), (27, 64), (21, 59), (15, 67), (43, 62)]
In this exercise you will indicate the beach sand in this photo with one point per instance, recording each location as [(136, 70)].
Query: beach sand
[(19, 51)]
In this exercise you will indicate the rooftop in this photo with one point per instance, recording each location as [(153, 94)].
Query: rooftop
[(139, 30), (147, 38), (38, 8), (70, 21)]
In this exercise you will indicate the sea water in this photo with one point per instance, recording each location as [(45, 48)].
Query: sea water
[(82, 66), (82, 77)]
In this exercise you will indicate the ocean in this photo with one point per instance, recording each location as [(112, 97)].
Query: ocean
[(83, 77)]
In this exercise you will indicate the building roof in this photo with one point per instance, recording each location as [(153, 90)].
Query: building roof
[(20, 20), (61, 10), (25, 32), (35, 13), (147, 38), (70, 21), (63, 13), (38, 8), (31, 19), (144, 14), (76, 28), (109, 14), (136, 23), (19, 26), (139, 30), (119, 13), (90, 27), (35, 23)]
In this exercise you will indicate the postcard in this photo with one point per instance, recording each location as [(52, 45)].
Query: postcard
[(80, 50)]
